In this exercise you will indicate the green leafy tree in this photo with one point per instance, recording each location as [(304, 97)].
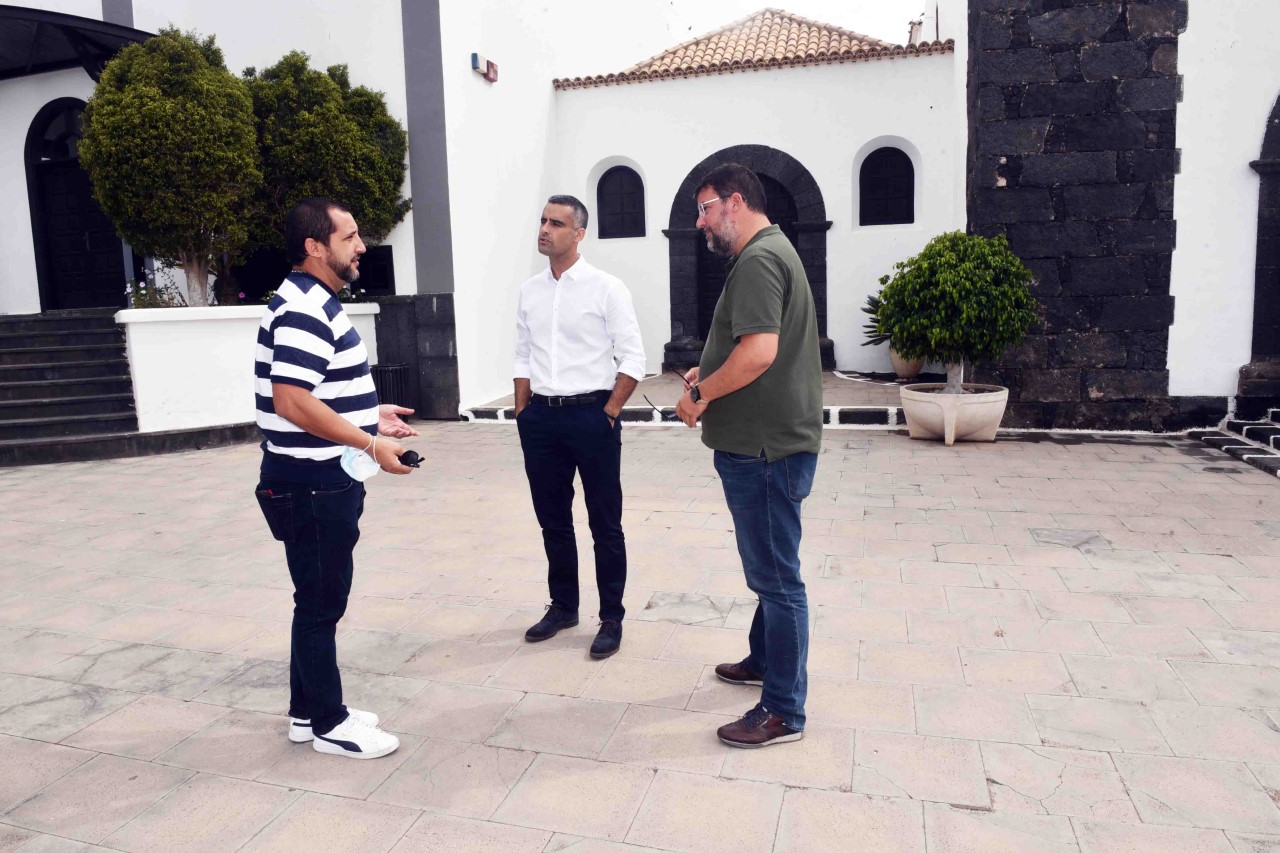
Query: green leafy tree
[(963, 298), (318, 136), (169, 146)]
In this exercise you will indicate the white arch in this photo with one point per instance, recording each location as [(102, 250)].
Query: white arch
[(917, 164), (596, 172)]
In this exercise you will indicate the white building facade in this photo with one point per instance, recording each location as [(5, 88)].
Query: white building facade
[(484, 156)]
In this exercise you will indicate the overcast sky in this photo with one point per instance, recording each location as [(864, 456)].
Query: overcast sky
[(884, 19)]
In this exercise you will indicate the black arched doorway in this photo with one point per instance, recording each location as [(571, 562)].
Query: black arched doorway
[(780, 207), (794, 202), (80, 261), (1261, 377)]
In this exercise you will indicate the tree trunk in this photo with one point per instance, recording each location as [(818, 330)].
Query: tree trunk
[(197, 271), (955, 378)]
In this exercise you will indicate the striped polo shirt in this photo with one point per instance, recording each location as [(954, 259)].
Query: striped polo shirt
[(307, 340)]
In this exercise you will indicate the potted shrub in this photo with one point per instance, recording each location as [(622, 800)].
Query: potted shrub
[(904, 369), (964, 298)]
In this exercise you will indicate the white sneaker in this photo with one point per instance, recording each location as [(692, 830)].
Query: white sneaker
[(300, 730), (356, 739)]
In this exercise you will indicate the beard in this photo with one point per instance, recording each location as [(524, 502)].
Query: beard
[(722, 244), (347, 272)]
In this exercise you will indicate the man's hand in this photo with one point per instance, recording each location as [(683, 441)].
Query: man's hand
[(690, 377), (689, 411), (623, 387), (523, 394), (387, 455), (389, 423)]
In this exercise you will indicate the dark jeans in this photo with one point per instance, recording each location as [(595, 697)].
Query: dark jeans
[(319, 525), (764, 499), (558, 441)]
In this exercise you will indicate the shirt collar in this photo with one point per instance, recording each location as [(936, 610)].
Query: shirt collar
[(579, 269), (301, 277), (763, 232), (305, 281)]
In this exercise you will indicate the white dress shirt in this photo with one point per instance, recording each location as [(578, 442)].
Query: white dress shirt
[(577, 334)]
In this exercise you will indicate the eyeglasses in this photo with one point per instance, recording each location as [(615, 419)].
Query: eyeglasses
[(702, 205), (666, 416)]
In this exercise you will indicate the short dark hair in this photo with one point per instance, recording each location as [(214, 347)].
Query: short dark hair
[(309, 219), (579, 209), (733, 178)]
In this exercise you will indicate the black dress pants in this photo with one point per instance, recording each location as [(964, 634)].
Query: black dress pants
[(557, 442)]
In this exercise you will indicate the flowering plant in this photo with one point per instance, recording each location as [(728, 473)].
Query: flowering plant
[(150, 293)]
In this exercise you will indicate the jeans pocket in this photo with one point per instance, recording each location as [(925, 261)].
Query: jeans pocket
[(745, 482), (800, 468), (339, 503), (277, 509)]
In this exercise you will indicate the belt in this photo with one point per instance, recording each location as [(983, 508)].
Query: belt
[(576, 400)]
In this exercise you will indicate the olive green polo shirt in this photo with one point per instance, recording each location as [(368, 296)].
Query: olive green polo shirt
[(780, 413)]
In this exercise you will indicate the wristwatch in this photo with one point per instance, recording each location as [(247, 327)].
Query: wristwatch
[(695, 395)]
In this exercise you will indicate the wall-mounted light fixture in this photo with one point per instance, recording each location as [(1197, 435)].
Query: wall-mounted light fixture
[(486, 69)]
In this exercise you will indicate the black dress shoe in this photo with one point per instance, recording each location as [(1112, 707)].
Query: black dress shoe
[(551, 624), (607, 640)]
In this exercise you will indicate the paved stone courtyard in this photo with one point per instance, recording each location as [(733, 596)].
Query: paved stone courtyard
[(1042, 644)]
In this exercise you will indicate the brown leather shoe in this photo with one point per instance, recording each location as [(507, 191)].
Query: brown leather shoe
[(758, 728), (739, 673)]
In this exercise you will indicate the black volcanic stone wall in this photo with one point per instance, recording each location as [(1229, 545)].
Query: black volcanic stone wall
[(1266, 302), (420, 331), (1072, 155), (1260, 378)]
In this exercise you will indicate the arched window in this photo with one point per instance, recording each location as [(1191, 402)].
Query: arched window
[(887, 188), (620, 203), (56, 131)]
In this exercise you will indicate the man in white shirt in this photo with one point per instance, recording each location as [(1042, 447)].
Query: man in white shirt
[(578, 359)]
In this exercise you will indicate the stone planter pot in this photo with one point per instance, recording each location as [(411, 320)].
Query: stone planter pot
[(972, 416), (193, 367), (905, 369)]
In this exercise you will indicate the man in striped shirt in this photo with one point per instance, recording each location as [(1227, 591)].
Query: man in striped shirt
[(315, 399)]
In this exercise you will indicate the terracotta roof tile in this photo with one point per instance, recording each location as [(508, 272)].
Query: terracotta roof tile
[(771, 38)]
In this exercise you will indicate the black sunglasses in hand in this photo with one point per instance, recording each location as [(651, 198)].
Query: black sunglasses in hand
[(666, 416)]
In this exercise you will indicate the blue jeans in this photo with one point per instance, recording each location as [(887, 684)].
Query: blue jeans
[(764, 499), (319, 526)]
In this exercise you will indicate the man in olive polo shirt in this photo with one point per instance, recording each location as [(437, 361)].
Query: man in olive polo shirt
[(758, 392)]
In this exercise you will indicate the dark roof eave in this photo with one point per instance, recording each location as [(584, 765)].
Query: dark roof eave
[(90, 42)]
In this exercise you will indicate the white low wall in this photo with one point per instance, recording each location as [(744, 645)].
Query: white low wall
[(193, 367)]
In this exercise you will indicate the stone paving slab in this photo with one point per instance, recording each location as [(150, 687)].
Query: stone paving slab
[(1052, 642)]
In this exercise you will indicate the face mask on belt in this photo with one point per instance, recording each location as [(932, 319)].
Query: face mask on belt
[(358, 464)]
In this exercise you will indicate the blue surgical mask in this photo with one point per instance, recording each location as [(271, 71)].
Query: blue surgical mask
[(358, 464)]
